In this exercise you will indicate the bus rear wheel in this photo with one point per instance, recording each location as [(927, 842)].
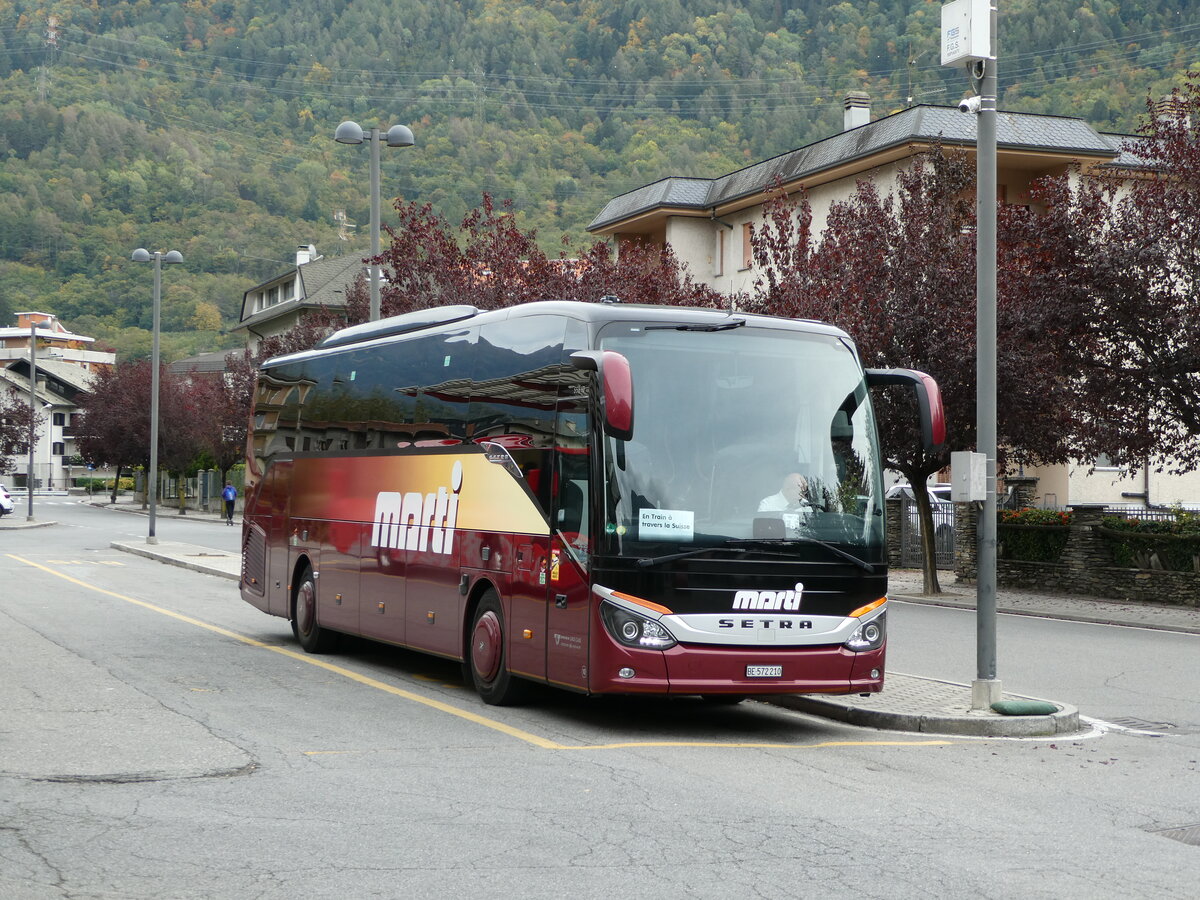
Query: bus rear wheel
[(486, 657), (312, 637)]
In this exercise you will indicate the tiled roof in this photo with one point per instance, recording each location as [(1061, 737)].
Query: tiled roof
[(202, 364), (326, 279), (322, 282), (920, 124), (1126, 146)]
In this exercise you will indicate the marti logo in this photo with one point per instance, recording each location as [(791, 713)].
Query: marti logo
[(769, 599), (415, 522)]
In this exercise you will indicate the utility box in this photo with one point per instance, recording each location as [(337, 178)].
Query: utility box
[(966, 32), (968, 476)]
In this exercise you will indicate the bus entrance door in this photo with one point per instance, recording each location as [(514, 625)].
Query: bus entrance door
[(567, 611), (567, 619), (527, 635)]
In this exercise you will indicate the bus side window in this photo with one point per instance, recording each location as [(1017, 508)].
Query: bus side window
[(572, 507)]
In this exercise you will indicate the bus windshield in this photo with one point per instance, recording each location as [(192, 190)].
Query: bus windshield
[(742, 435)]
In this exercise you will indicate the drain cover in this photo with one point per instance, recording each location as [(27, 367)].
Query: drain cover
[(1140, 724), (1187, 834)]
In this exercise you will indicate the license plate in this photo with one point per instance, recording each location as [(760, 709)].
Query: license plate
[(764, 671)]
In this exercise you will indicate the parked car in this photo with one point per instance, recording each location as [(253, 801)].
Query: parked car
[(943, 513), (6, 501), (938, 493)]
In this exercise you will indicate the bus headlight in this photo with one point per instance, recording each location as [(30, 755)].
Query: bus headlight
[(633, 630), (868, 635)]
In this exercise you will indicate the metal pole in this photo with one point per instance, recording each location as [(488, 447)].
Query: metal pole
[(985, 690), (152, 485), (32, 415), (375, 302)]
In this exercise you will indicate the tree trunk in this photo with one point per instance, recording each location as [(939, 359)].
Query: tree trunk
[(182, 482), (116, 485), (928, 542)]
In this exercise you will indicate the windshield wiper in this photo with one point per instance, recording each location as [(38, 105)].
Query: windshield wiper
[(694, 326), (647, 561), (784, 542), (744, 545)]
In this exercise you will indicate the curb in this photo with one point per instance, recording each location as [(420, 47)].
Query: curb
[(1063, 722), (17, 526), (946, 603), (194, 515), (175, 561)]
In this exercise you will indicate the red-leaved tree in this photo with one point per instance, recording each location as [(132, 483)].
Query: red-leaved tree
[(115, 426), (490, 262), (1144, 360), (897, 272), (14, 428)]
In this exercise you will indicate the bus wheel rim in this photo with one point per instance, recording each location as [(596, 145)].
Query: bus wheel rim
[(306, 605), (486, 646)]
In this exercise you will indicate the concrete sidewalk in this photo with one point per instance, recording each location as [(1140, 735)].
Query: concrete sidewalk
[(908, 702)]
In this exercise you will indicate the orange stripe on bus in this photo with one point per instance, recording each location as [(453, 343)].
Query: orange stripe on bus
[(646, 603), (863, 610)]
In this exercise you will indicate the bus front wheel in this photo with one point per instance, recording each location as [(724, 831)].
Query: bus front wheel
[(308, 632), (486, 658)]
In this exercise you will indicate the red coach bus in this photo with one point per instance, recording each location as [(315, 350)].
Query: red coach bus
[(608, 498)]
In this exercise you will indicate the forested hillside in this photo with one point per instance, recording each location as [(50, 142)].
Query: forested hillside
[(206, 126)]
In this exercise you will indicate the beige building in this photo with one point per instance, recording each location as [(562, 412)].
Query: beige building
[(66, 365), (316, 281), (707, 223)]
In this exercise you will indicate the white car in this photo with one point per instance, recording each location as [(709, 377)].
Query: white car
[(943, 512), (938, 493), (6, 501)]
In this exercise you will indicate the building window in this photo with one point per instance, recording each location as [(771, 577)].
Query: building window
[(1104, 461), (58, 449), (719, 252), (60, 419), (747, 247)]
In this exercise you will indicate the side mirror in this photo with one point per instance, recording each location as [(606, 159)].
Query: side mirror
[(929, 401), (616, 385)]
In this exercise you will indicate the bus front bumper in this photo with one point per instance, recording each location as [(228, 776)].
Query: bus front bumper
[(695, 669)]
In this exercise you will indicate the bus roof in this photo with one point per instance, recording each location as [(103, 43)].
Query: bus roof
[(430, 321)]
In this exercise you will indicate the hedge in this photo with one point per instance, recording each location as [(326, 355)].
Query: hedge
[(1033, 535)]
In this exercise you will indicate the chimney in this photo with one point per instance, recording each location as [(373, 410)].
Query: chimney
[(1171, 108), (306, 253), (857, 106)]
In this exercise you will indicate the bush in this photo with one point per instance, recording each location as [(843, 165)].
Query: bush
[(1033, 535), (1031, 516), (1170, 543), (97, 485)]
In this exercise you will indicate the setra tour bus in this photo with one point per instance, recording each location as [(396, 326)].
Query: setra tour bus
[(607, 498)]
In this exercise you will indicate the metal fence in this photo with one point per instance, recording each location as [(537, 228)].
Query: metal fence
[(943, 535), (1142, 513)]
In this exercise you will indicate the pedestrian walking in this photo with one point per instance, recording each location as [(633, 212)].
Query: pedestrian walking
[(229, 495)]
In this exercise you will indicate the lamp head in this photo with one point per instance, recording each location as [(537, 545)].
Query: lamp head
[(349, 133), (141, 255), (399, 136), (173, 256)]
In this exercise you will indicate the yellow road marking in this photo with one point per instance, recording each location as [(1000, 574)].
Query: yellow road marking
[(469, 716)]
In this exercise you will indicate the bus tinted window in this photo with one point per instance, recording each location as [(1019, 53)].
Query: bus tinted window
[(515, 395)]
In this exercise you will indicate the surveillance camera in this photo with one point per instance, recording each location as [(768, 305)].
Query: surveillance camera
[(969, 104)]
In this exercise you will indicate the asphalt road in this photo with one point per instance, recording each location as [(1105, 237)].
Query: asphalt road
[(160, 738)]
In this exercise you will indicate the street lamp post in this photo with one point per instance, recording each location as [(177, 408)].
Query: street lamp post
[(32, 415), (171, 256), (396, 136)]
